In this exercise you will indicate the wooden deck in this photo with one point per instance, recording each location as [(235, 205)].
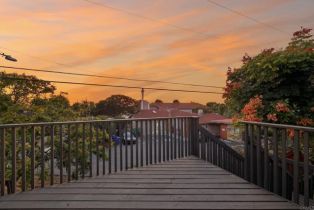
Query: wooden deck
[(180, 184)]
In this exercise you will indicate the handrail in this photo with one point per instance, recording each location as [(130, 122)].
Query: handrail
[(86, 121), (273, 125)]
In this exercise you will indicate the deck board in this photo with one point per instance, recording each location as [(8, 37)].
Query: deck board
[(180, 184)]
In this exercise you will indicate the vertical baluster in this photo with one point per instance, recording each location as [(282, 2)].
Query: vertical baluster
[(159, 140), (42, 156), (52, 157), (172, 144), (97, 149), (76, 151), (137, 142), (91, 149), (185, 137), (246, 152), (146, 140), (151, 142), (103, 143), (126, 145), (23, 161), (131, 133), (155, 141), (115, 148), (306, 169), (182, 137), (167, 139), (2, 154), (121, 145), (175, 138), (61, 152), (258, 159), (142, 142), (110, 147), (252, 154), (179, 137), (284, 163), (163, 122), (266, 163), (33, 157), (296, 146), (69, 153), (83, 165), (275, 161)]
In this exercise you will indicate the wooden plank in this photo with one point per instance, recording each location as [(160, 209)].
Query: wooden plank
[(154, 187), (147, 205), (153, 191), (177, 172), (169, 176), (131, 197), (170, 181), (159, 185)]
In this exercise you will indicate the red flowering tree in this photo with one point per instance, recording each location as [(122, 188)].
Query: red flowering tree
[(275, 86)]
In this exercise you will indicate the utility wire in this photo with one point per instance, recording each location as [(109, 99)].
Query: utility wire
[(113, 86), (246, 16), (206, 35), (108, 77)]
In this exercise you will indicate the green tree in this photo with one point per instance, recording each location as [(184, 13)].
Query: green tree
[(23, 88), (84, 108), (218, 108), (285, 76), (116, 105), (158, 101)]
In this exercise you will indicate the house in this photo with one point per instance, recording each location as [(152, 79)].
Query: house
[(176, 125), (184, 107), (220, 126)]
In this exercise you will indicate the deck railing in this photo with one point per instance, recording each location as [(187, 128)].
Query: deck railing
[(215, 151), (39, 154), (279, 158)]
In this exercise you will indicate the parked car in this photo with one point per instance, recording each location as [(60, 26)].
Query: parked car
[(128, 137), (116, 139)]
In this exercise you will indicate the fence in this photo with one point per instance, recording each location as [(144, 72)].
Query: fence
[(39, 154)]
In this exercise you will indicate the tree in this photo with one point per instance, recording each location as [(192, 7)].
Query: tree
[(279, 83), (176, 101), (23, 88), (218, 108), (84, 108), (158, 101), (116, 105)]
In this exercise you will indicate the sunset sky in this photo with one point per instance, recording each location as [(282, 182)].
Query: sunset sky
[(189, 41)]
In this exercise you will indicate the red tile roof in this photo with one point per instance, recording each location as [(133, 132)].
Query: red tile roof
[(206, 118), (162, 113), (179, 106)]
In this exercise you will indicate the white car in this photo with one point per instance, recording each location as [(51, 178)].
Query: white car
[(128, 137)]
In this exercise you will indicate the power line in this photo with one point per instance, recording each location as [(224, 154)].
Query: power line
[(113, 86), (246, 16), (151, 19), (108, 77)]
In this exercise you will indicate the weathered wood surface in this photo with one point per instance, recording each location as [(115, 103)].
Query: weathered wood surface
[(180, 184)]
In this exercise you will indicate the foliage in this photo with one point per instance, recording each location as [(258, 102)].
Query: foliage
[(23, 88), (219, 108), (283, 81), (158, 101), (84, 108), (116, 105), (175, 101)]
